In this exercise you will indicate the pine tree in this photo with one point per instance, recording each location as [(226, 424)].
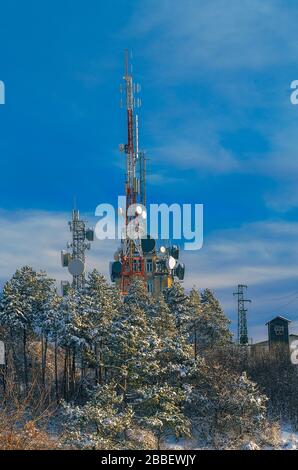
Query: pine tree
[(73, 339), (195, 319), (172, 349), (101, 303), (178, 303), (212, 325), (132, 343), (102, 423), (138, 295), (160, 410), (45, 292), (225, 406), (18, 309), (54, 328)]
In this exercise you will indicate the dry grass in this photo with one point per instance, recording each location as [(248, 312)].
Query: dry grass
[(24, 418)]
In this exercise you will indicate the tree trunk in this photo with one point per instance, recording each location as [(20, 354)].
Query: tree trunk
[(65, 375), (195, 345), (44, 360), (56, 371), (96, 372), (73, 370), (25, 358)]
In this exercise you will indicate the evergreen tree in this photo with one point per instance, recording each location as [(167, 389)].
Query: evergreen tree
[(172, 349), (195, 319), (101, 303), (102, 423), (225, 407), (18, 309), (139, 295), (54, 328), (160, 409), (212, 325), (45, 293), (178, 303)]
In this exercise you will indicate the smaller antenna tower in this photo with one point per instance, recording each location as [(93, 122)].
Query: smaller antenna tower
[(242, 319), (74, 258)]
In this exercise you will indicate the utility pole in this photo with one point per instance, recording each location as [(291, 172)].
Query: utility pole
[(242, 320)]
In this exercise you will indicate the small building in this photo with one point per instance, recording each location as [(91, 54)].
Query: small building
[(278, 331), (278, 335)]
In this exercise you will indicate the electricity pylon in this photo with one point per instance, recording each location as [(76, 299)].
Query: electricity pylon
[(242, 320)]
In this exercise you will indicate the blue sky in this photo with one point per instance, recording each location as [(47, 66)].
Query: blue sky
[(216, 122)]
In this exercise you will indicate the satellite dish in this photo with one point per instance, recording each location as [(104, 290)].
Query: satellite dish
[(139, 210), (76, 267), (148, 244), (116, 267), (171, 262), (162, 249), (90, 234), (115, 270)]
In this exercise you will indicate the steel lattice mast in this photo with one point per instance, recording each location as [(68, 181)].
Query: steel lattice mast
[(132, 259), (242, 334), (75, 258), (78, 246)]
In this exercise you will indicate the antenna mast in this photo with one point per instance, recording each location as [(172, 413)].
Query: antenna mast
[(74, 259), (242, 334), (132, 260)]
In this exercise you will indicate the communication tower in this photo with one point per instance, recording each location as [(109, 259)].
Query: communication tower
[(138, 255), (74, 258)]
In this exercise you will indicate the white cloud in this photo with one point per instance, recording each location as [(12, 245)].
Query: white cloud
[(221, 34), (36, 238)]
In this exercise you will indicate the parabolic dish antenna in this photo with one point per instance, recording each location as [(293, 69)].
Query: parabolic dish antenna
[(139, 210), (171, 262), (76, 267), (148, 244)]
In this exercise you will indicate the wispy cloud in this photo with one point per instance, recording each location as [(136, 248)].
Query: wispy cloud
[(235, 61), (221, 34), (36, 238)]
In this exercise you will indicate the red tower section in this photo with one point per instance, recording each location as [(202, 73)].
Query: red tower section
[(132, 260)]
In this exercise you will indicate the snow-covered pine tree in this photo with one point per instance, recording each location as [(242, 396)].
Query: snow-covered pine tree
[(138, 295), (54, 328), (45, 292), (160, 410), (212, 325), (102, 423), (18, 309), (173, 352), (101, 304), (132, 341), (74, 338), (195, 319), (225, 407), (178, 303)]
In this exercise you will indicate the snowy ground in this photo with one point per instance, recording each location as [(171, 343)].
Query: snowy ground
[(288, 441)]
